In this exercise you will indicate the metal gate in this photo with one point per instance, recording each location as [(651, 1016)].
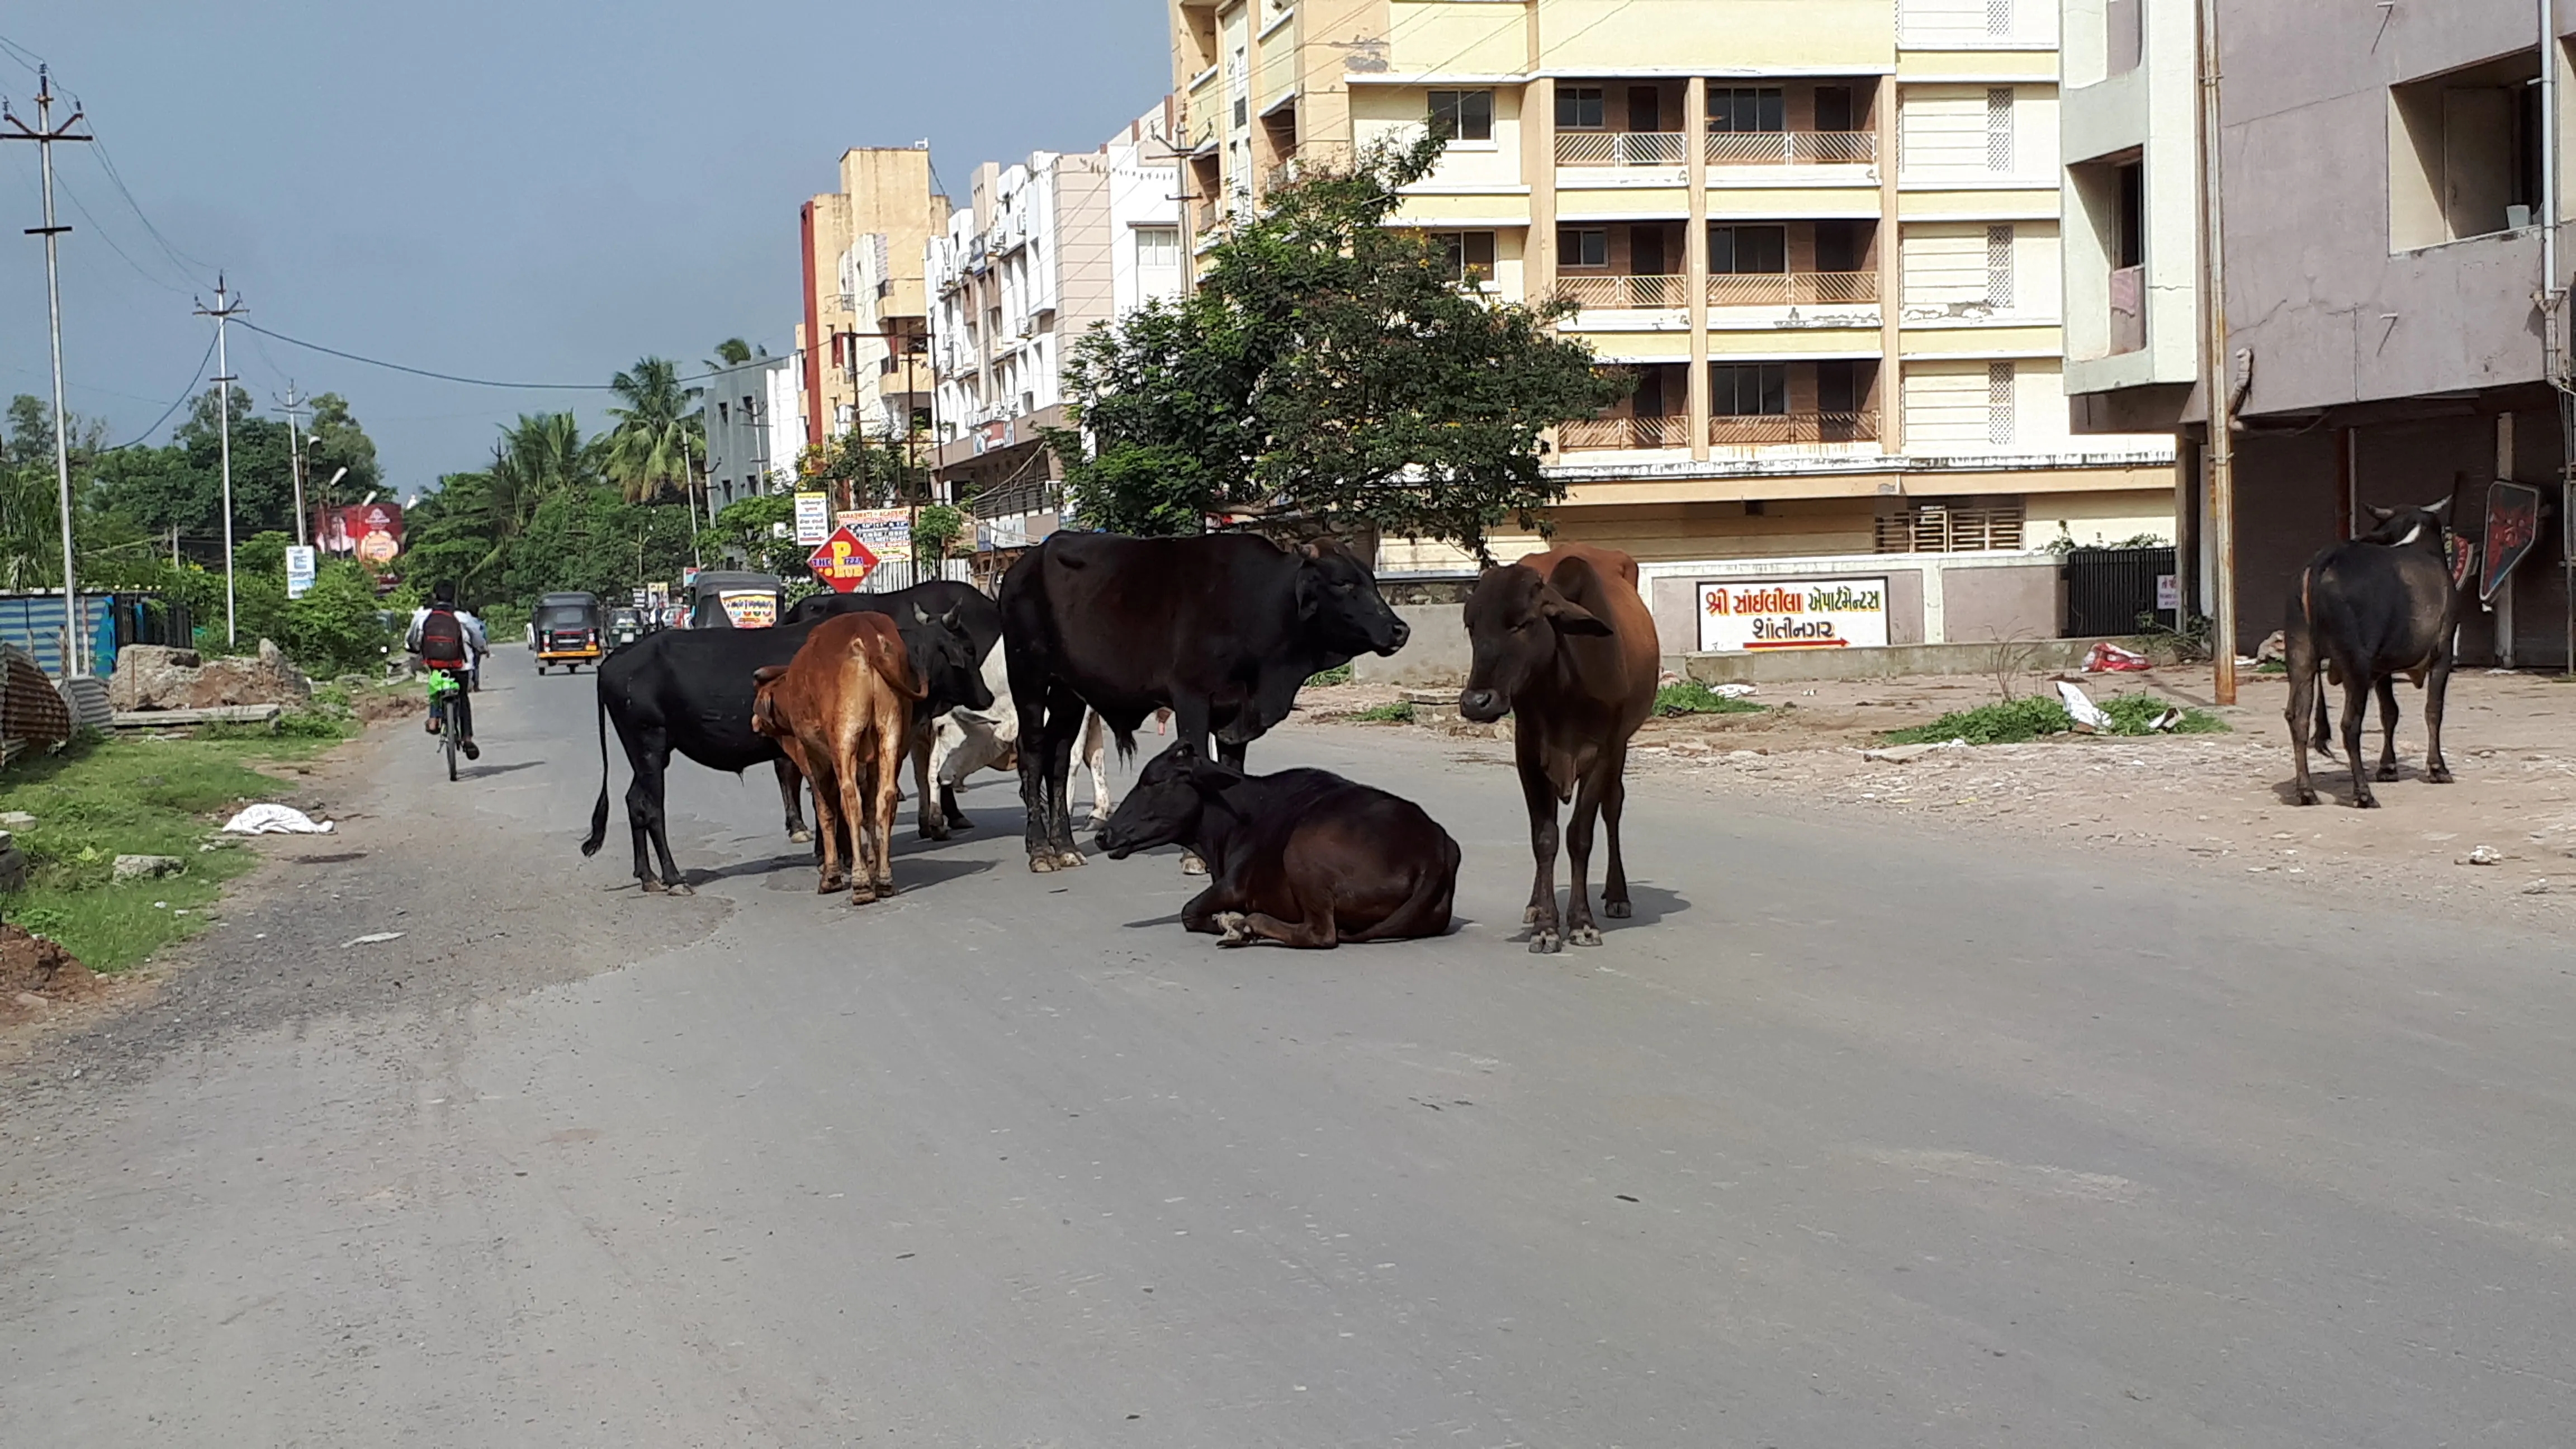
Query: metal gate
[(2113, 590)]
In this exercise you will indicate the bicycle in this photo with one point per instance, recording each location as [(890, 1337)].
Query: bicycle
[(443, 689)]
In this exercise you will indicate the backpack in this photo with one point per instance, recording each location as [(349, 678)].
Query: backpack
[(442, 640)]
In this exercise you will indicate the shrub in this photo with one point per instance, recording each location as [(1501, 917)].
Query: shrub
[(1338, 674), (2030, 719), (1400, 712), (1693, 697)]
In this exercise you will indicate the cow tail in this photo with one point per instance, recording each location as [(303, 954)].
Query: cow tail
[(599, 812)]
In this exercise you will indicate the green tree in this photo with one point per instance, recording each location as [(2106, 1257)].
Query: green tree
[(750, 527), (343, 444), (732, 352), (869, 472), (659, 445), (936, 529), (1328, 365)]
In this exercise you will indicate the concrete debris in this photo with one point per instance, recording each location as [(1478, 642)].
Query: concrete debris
[(1899, 754), (2536, 888), (372, 938), (146, 867), (16, 820), (154, 676), (2482, 855)]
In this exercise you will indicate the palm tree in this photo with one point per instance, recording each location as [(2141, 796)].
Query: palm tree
[(538, 456), (660, 443), (732, 352)]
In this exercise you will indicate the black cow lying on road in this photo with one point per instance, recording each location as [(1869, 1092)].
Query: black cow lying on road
[(1302, 857), (981, 620), (690, 692), (1221, 628), (2362, 613)]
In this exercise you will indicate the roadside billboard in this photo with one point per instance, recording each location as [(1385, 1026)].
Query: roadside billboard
[(371, 531), (813, 518), (886, 531), (299, 570), (1793, 614)]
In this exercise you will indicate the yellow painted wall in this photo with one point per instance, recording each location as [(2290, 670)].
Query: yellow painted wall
[(1391, 112), (2007, 341), (2099, 518), (1446, 38), (1793, 203), (1979, 65), (1720, 36), (1621, 203)]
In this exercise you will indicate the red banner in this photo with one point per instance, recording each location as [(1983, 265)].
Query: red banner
[(371, 531)]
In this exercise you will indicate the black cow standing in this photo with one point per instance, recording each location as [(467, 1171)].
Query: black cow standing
[(1221, 629), (2362, 613), (975, 614), (689, 691)]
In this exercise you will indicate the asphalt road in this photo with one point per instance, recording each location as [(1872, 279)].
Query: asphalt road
[(1847, 1139)]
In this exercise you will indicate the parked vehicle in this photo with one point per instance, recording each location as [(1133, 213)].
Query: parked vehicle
[(736, 599), (625, 626), (568, 631)]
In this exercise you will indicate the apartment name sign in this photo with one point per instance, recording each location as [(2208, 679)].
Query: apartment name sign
[(1753, 616)]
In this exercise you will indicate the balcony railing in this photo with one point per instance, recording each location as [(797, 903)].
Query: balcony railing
[(1792, 148), (1790, 289), (1617, 293), (1766, 429), (2128, 309), (1597, 433), (1620, 148)]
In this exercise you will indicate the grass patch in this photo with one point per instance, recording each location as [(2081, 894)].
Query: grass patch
[(2272, 666), (101, 798), (1338, 674), (2033, 718), (1399, 712), (1693, 697)]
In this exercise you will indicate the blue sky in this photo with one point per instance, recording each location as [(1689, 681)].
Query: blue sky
[(535, 190)]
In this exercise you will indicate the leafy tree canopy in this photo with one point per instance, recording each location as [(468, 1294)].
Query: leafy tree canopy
[(1330, 365)]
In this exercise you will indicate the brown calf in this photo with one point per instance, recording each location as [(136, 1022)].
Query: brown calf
[(842, 712), (1563, 644)]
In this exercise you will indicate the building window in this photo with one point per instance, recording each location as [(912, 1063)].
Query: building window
[(1748, 389), (1999, 404), (1158, 246), (2464, 153), (1578, 108), (1999, 129), (1463, 115), (723, 413), (1746, 108), (1999, 265), (2129, 245), (1964, 525), (1736, 250), (1999, 17), (1466, 256), (1582, 246)]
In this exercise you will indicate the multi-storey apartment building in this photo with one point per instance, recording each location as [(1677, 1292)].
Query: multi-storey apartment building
[(2386, 254), (1043, 250), (866, 316), (1822, 236), (755, 425)]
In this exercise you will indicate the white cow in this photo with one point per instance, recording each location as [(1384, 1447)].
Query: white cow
[(964, 741)]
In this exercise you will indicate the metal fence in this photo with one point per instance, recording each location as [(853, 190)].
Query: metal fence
[(2109, 589)]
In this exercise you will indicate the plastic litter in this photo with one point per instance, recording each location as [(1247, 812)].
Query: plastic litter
[(2108, 658), (2088, 716), (372, 938), (275, 820), (1731, 691)]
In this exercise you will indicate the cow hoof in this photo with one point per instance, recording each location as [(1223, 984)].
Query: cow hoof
[(832, 883), (681, 888), (1545, 943), (2385, 774), (862, 895), (1069, 858), (1530, 916), (926, 832), (1583, 936), (2438, 775), (1192, 865), (1617, 910), (800, 837), (1042, 864), (2364, 802), (1230, 929), (651, 886), (960, 822), (2306, 796)]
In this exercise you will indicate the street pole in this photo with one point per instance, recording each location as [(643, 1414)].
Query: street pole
[(2216, 384), (45, 134), (294, 410), (222, 312)]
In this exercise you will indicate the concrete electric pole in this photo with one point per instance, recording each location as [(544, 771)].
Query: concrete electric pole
[(223, 311), (45, 133), (293, 407)]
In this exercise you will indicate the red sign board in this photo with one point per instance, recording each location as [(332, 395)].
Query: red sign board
[(843, 561), (371, 531), (2513, 526)]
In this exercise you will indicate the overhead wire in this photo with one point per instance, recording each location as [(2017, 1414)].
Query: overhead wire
[(182, 399), (447, 376)]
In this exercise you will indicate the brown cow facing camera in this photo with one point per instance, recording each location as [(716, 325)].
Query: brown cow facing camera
[(1563, 643), (842, 712)]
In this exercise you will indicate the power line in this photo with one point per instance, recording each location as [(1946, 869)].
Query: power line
[(188, 266), (194, 379), (450, 376), (21, 54)]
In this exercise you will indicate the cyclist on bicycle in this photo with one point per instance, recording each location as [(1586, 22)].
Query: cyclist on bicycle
[(447, 640)]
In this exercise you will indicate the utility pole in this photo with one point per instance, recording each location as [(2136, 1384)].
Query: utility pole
[(45, 133), (2217, 384), (293, 407), (223, 311)]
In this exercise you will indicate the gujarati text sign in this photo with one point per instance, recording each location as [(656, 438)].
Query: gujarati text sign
[(1804, 614)]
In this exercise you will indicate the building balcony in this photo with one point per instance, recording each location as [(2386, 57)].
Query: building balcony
[(1792, 148), (1621, 148), (1769, 430), (1624, 434), (1621, 293), (1791, 289)]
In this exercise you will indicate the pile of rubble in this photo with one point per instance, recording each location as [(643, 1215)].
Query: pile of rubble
[(156, 677)]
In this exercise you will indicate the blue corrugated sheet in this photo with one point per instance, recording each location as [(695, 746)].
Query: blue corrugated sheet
[(34, 622)]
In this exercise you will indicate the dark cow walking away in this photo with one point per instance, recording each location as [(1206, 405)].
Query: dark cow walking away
[(1222, 629), (1562, 643), (689, 692), (1302, 857), (2362, 613), (842, 712)]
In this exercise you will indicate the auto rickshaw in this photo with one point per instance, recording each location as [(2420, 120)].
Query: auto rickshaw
[(736, 599), (625, 626), (567, 632)]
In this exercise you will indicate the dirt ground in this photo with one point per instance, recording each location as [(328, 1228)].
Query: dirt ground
[(2206, 802)]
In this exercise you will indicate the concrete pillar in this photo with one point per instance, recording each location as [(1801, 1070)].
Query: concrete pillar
[(1891, 278), (1695, 253)]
